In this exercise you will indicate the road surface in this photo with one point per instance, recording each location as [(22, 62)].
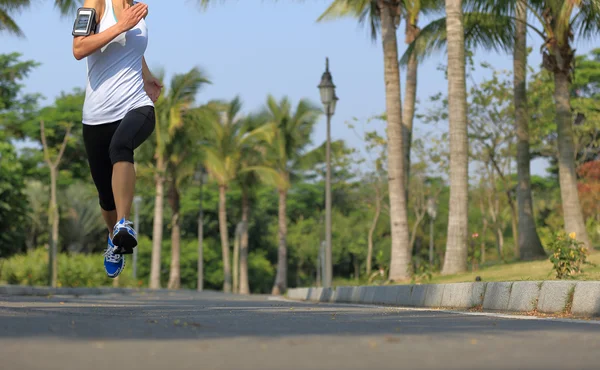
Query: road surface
[(169, 331)]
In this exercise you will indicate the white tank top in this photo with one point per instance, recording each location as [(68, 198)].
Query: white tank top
[(114, 78)]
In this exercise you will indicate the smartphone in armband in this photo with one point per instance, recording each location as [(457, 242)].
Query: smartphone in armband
[(85, 23)]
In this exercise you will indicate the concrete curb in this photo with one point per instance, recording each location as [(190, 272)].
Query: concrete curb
[(581, 299)]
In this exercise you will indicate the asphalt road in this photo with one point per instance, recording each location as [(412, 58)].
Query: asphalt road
[(213, 331)]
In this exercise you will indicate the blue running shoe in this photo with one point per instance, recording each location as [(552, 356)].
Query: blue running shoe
[(124, 237), (113, 263)]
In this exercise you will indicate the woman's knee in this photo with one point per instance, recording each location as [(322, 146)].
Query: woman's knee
[(120, 151)]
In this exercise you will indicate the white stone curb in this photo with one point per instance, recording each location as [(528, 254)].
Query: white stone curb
[(557, 297)]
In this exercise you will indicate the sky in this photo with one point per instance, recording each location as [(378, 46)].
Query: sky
[(250, 48)]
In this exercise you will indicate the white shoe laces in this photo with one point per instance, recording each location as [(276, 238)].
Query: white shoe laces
[(126, 224), (111, 257)]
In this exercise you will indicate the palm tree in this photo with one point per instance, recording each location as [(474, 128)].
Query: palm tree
[(229, 139), (292, 130), (411, 11), (528, 243), (456, 245), (499, 33), (169, 120), (184, 153), (8, 24), (252, 160), (559, 22), (385, 15)]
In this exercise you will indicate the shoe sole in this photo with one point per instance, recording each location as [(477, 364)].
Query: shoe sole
[(124, 242)]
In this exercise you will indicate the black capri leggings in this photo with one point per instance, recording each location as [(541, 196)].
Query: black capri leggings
[(110, 143)]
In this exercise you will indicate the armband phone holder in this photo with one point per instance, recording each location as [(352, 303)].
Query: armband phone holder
[(85, 23)]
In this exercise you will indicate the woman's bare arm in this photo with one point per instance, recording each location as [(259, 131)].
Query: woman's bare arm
[(146, 74), (86, 45)]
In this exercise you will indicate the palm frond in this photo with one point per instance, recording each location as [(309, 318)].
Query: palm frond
[(9, 25), (67, 7), (482, 30), (426, 7), (233, 109), (269, 176), (364, 10), (496, 7), (261, 134), (182, 93), (184, 87), (586, 23), (339, 9), (12, 5), (216, 166)]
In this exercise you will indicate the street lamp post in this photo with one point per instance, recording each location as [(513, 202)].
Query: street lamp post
[(432, 212), (136, 204), (329, 100)]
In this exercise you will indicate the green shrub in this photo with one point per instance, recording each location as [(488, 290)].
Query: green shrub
[(568, 255), (422, 270), (26, 269), (261, 273), (74, 270), (87, 270)]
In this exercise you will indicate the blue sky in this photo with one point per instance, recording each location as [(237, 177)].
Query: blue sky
[(251, 48)]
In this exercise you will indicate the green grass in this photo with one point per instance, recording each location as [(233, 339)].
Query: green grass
[(509, 271), (518, 271)]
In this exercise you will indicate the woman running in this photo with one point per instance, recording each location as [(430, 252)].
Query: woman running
[(118, 114)]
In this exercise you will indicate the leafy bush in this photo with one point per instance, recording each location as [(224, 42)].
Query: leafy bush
[(422, 270), (87, 270), (568, 255), (26, 269), (261, 273), (74, 270)]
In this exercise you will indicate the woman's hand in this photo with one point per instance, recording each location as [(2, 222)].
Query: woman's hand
[(153, 88), (132, 16)]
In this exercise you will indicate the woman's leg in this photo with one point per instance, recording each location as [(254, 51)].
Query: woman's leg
[(97, 141), (123, 185), (134, 129), (110, 219)]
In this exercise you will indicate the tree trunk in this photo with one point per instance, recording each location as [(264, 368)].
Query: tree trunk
[(529, 244), (281, 280), (413, 236), (224, 239), (53, 215), (485, 224), (500, 238), (244, 283), (319, 269), (236, 258), (412, 31), (175, 274), (401, 250), (356, 269), (53, 263), (495, 212), (157, 229), (566, 160), (200, 284), (456, 247), (513, 224), (372, 229)]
